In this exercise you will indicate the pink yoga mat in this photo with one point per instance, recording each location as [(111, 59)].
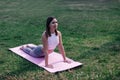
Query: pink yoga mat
[(55, 59)]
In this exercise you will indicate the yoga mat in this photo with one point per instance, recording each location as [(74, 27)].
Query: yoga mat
[(55, 59)]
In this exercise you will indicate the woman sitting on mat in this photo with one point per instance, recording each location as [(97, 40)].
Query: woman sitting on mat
[(50, 39)]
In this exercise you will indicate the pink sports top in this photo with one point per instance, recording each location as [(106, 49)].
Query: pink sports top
[(53, 41)]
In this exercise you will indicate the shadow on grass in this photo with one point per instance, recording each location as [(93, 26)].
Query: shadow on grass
[(1, 61)]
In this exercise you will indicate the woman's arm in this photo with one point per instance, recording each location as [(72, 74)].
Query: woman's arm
[(45, 50), (44, 42), (61, 47)]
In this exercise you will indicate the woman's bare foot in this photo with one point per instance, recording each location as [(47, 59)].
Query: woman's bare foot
[(21, 48), (27, 45)]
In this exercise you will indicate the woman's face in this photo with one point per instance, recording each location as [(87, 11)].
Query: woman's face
[(53, 24)]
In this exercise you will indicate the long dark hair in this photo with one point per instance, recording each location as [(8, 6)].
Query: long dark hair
[(48, 33)]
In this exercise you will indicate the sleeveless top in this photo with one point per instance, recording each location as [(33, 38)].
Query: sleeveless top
[(53, 41)]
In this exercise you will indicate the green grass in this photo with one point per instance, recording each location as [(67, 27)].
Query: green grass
[(90, 30)]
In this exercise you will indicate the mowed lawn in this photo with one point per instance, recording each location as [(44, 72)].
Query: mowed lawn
[(90, 30)]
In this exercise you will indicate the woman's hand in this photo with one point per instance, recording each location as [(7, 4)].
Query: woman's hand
[(67, 61), (49, 66)]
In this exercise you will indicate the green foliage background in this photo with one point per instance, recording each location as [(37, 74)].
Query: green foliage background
[(90, 30)]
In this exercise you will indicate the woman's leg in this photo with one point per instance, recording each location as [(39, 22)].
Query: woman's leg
[(29, 51), (31, 47), (26, 50), (38, 51)]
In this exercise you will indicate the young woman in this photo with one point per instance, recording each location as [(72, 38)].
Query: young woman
[(51, 38)]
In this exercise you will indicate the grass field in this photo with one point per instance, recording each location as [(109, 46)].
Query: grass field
[(90, 30)]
